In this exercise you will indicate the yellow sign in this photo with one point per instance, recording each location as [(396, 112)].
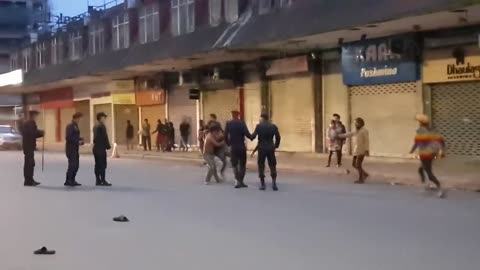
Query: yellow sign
[(123, 98), (452, 65)]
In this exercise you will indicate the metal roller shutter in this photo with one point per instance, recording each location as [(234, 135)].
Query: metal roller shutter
[(456, 115), (180, 106), (153, 113), (253, 107), (389, 112), (221, 103), (293, 112), (50, 125), (122, 114)]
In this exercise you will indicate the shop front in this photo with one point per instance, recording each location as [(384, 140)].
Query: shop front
[(452, 78), (180, 107), (292, 103), (57, 110), (252, 92), (152, 106), (124, 109), (220, 98), (382, 76)]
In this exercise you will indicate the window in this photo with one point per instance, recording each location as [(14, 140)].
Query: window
[(97, 39), (284, 3), (40, 54), (57, 50), (149, 24), (183, 16), (121, 32), (75, 45), (231, 10), (264, 6), (14, 62), (26, 54), (215, 10)]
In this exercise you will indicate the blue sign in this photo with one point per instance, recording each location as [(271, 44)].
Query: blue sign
[(380, 61)]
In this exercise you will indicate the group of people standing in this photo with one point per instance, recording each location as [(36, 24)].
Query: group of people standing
[(165, 131), (218, 143), (73, 141)]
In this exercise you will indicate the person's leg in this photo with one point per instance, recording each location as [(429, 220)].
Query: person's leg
[(361, 173), (242, 167), (68, 178), (272, 164), (421, 172), (223, 157), (427, 165), (235, 165), (149, 141), (98, 179), (212, 168), (330, 153), (28, 168), (262, 155), (339, 158), (76, 166), (104, 169), (144, 143)]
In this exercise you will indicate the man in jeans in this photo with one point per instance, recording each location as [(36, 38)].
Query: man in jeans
[(146, 137), (213, 142), (361, 148), (430, 146), (339, 129), (184, 135)]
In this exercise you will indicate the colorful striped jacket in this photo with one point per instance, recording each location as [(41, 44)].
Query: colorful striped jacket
[(428, 144)]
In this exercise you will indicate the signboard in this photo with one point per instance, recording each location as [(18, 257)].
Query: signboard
[(123, 98), (56, 98), (288, 66), (11, 78), (380, 61), (150, 97), (452, 65)]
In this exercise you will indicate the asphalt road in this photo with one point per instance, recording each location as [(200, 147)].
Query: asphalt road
[(179, 223)]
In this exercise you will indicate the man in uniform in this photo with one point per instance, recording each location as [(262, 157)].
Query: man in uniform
[(100, 146), (235, 132), (30, 134), (267, 133), (72, 143)]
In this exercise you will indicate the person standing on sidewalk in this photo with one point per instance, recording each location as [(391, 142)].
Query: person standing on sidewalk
[(430, 146), (340, 129), (129, 135), (146, 137), (73, 141), (268, 141), (361, 148), (160, 141), (333, 142), (184, 134), (100, 146), (30, 134), (235, 133), (213, 141)]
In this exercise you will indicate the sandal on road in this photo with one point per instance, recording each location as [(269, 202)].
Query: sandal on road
[(121, 218), (44, 251)]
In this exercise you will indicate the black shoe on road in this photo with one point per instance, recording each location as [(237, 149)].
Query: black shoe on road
[(44, 251), (31, 184), (105, 184), (262, 188), (275, 188)]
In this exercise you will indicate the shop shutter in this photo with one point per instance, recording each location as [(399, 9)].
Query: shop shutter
[(122, 114), (65, 119), (456, 115), (253, 107), (292, 111), (221, 103), (50, 125), (389, 112), (153, 114), (107, 109), (180, 106)]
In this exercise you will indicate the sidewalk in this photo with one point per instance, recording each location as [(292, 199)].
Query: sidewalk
[(452, 173)]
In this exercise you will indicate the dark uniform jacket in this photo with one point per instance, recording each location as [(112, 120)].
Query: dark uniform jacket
[(235, 132), (72, 139), (266, 133), (30, 134), (100, 139), (130, 132)]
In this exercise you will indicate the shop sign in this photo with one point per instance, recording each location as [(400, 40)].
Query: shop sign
[(453, 65), (150, 97), (122, 86), (123, 98), (56, 98), (288, 66), (380, 61)]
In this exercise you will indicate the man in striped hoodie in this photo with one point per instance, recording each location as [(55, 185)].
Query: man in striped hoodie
[(429, 146)]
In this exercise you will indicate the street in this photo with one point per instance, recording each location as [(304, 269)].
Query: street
[(176, 222)]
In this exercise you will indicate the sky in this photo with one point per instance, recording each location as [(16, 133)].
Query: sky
[(75, 7)]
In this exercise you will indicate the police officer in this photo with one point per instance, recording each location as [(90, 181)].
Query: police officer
[(235, 133), (30, 134), (100, 146), (267, 133), (72, 143)]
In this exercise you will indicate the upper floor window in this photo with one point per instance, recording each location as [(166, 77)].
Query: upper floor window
[(75, 42), (26, 55), (149, 23), (14, 62), (231, 10), (40, 54), (266, 6), (183, 16), (97, 39), (57, 50), (215, 9), (121, 32)]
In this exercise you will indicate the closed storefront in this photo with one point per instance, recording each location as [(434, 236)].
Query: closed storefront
[(384, 92), (151, 103), (180, 107), (124, 109), (49, 119), (292, 103), (221, 100), (453, 82), (253, 103), (58, 108)]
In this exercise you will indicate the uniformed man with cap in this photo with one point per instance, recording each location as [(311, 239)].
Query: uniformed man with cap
[(72, 144), (100, 146), (268, 142), (235, 133), (30, 134)]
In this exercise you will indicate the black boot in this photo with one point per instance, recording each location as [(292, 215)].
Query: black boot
[(262, 184), (274, 184), (98, 181), (104, 181)]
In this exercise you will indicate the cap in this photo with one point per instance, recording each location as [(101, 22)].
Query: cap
[(235, 112), (100, 115), (264, 116), (33, 112), (422, 118), (77, 115)]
